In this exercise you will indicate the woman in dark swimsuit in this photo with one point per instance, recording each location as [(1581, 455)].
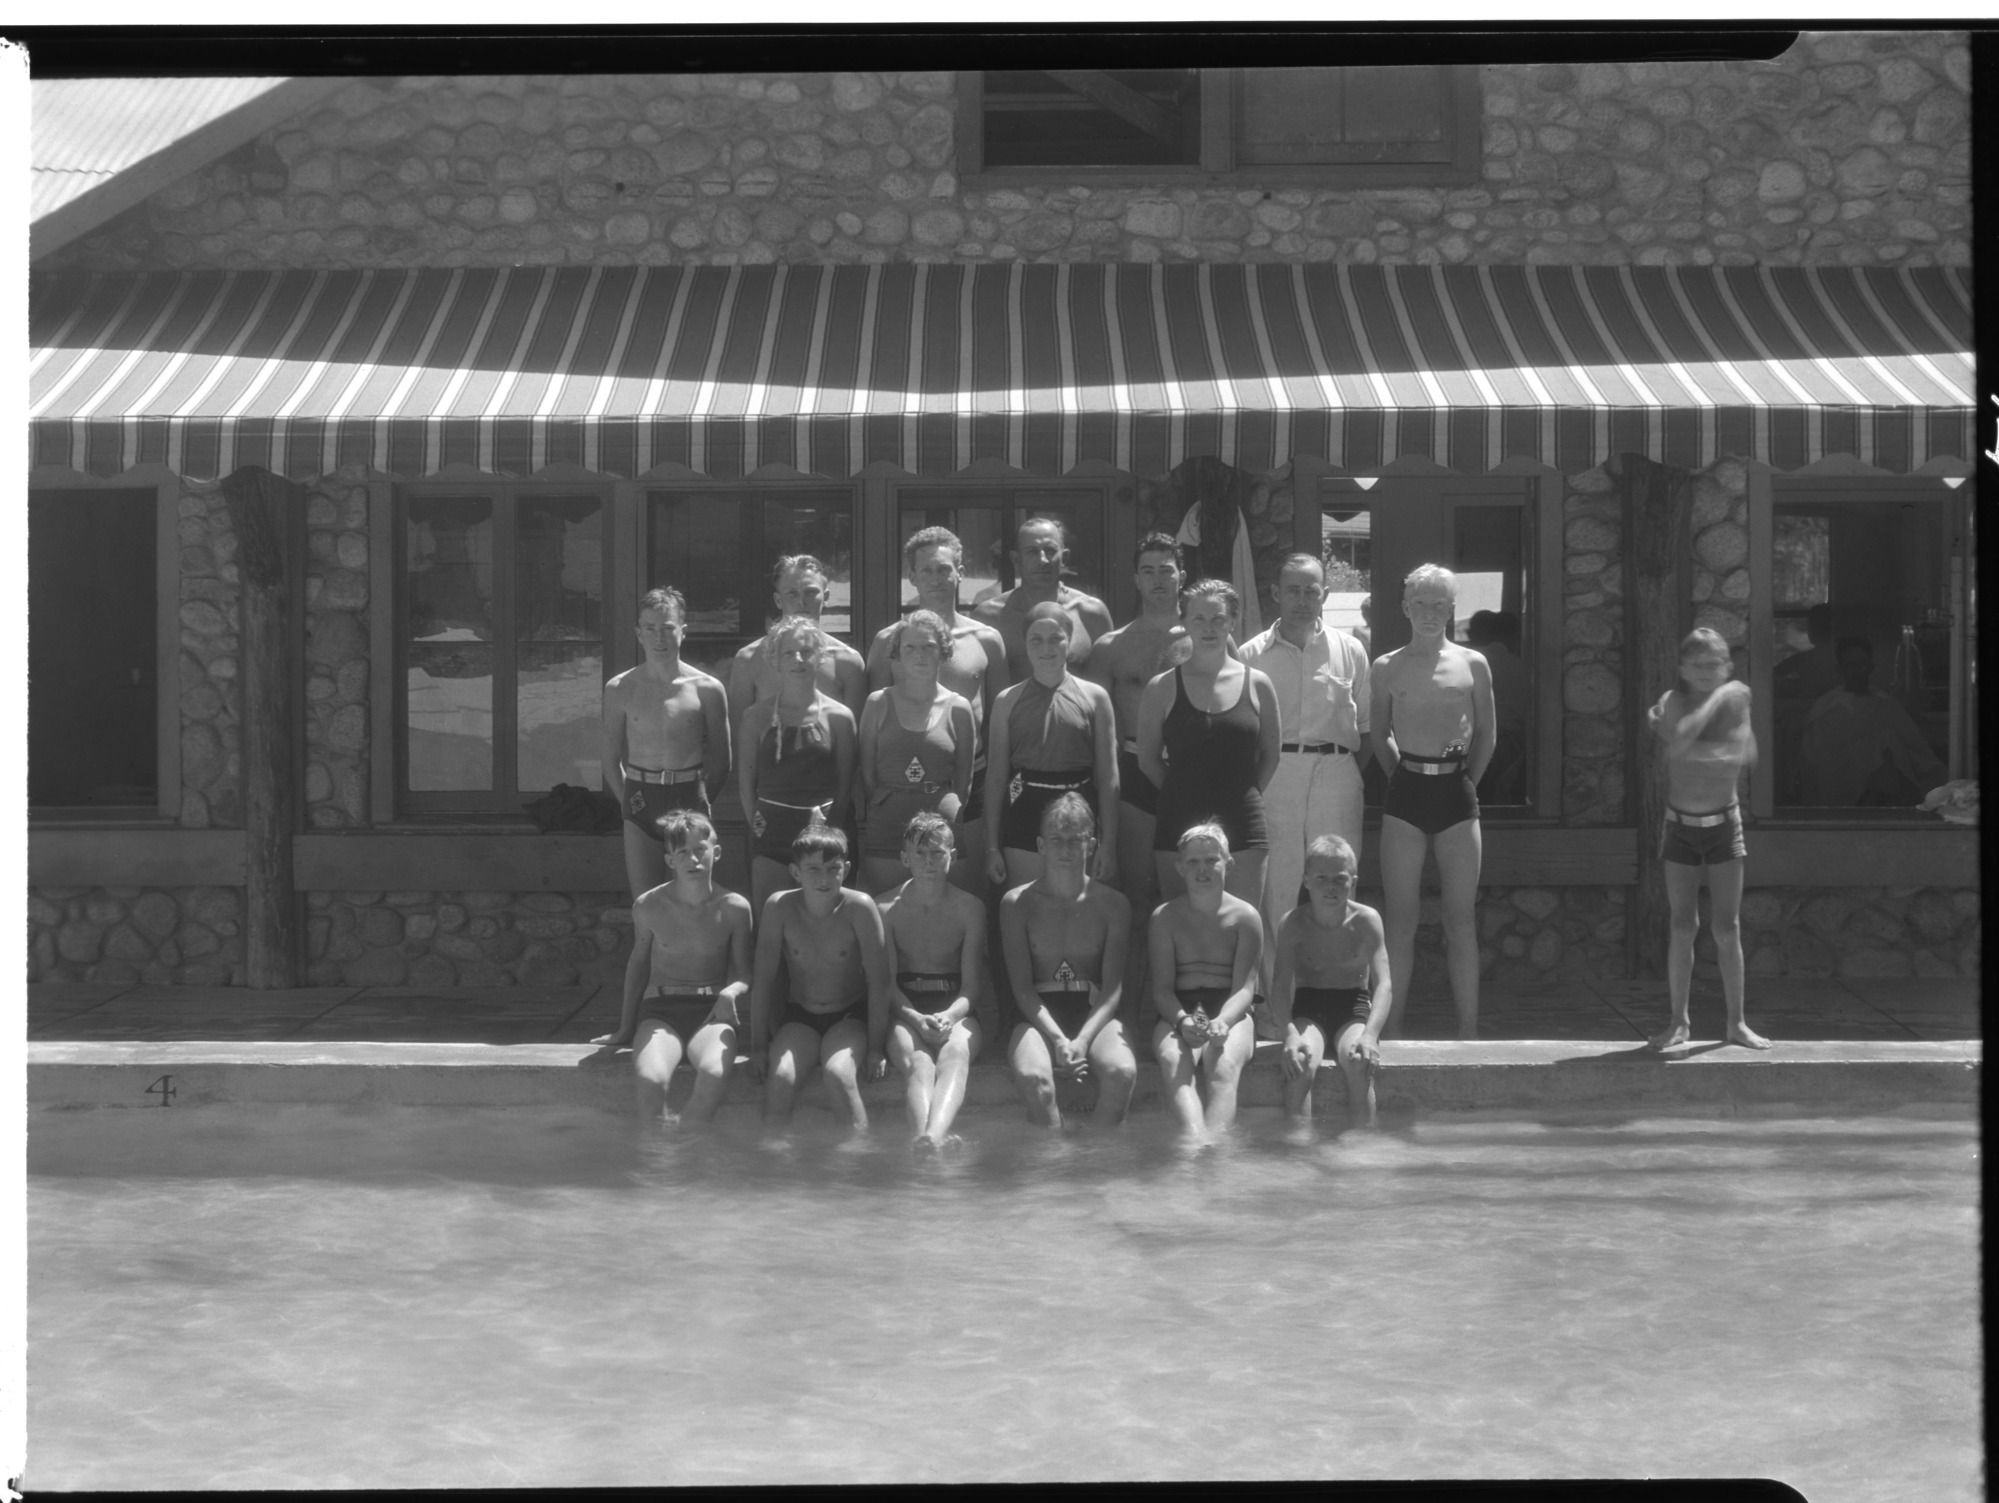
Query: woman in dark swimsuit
[(1208, 735), (912, 769), (798, 756), (1051, 734)]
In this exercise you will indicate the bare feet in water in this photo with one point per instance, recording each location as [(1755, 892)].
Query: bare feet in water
[(1743, 1034)]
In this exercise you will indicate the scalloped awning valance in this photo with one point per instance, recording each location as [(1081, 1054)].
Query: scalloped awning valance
[(830, 368)]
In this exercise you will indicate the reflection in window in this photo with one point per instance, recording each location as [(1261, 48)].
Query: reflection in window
[(559, 633), (1862, 677), (448, 656), (1492, 586)]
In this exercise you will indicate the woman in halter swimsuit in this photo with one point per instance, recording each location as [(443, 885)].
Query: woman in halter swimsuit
[(916, 748), (1051, 734), (802, 760)]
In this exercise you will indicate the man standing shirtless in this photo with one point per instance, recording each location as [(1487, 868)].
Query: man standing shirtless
[(977, 667), (666, 736), (800, 590), (1040, 548), (1432, 718)]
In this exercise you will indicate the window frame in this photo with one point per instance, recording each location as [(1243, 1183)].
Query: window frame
[(1539, 496), (1222, 89), (167, 489), (395, 802), (1767, 490)]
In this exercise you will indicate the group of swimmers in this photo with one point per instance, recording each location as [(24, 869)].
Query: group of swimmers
[(887, 795)]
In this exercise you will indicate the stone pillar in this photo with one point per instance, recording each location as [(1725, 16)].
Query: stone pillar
[(266, 510)]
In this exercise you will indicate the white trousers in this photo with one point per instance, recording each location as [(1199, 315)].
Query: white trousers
[(1313, 794)]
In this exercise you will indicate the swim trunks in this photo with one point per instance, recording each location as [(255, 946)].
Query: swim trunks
[(1029, 793), (1702, 839), (1133, 786), (647, 798), (1431, 793), (1211, 764), (930, 991), (820, 1023), (685, 1013), (1070, 1009), (1330, 1007), (1208, 998), (794, 781)]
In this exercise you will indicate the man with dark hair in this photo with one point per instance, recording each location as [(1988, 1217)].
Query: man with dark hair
[(1041, 547), (1860, 746)]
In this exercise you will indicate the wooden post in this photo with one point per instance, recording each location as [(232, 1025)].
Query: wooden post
[(1658, 537), (265, 510)]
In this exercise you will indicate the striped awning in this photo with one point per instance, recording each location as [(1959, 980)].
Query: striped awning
[(830, 368)]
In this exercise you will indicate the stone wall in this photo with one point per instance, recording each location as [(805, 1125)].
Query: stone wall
[(1850, 148), (190, 936), (466, 938), (336, 651), (211, 593), (1593, 694), (1859, 932)]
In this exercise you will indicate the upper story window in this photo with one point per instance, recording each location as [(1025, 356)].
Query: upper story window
[(718, 544), (1867, 669), (1349, 126), (500, 634)]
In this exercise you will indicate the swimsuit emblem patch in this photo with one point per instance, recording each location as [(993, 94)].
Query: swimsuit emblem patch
[(1065, 974), (638, 803), (1014, 788), (914, 771), (759, 823)]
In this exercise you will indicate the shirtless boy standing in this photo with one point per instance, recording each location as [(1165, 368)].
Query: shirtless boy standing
[(1703, 728), (934, 560), (1040, 546), (1431, 715), (689, 969), (1330, 987), (1207, 945), (937, 956), (666, 736), (1065, 937), (829, 939)]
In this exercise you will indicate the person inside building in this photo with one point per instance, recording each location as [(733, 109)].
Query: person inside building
[(1065, 935), (1052, 733), (1041, 547), (1860, 746), (1796, 682), (798, 589), (687, 975), (1330, 993), (829, 940), (1209, 737), (934, 560), (666, 736), (1703, 726), (1433, 731), (1318, 674), (917, 741), (1207, 951), (799, 753), (937, 961), (1493, 635)]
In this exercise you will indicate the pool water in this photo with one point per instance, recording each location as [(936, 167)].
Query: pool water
[(236, 1296)]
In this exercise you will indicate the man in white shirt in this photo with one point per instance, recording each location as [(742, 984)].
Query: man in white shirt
[(1320, 676)]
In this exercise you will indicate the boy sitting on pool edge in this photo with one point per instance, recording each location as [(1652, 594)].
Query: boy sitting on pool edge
[(937, 957), (829, 938), (1204, 950), (1330, 983), (689, 967)]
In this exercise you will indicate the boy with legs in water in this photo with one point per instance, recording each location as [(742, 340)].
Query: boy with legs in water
[(1206, 947), (829, 939), (1703, 726), (1432, 720), (689, 969), (666, 736), (937, 955), (1330, 987), (1065, 935)]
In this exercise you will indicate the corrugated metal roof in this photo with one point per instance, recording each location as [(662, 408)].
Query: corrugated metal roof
[(87, 130)]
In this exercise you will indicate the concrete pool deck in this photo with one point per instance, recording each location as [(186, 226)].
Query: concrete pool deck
[(1852, 1044)]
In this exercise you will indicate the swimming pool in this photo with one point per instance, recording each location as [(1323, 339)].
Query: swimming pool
[(257, 1296)]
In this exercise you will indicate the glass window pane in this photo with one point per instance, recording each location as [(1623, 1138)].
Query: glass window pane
[(1861, 682), (448, 568), (560, 695), (559, 569), (824, 528), (449, 686), (1492, 589), (697, 547), (1346, 545), (978, 528)]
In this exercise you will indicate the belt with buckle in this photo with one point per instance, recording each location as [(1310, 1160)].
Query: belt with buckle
[(778, 803), (1069, 784), (652, 775), (1700, 821), (1433, 767), (683, 994), (1317, 748), (1072, 989), (927, 983)]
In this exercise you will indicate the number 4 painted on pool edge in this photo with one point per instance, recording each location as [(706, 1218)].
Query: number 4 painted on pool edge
[(162, 1088)]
